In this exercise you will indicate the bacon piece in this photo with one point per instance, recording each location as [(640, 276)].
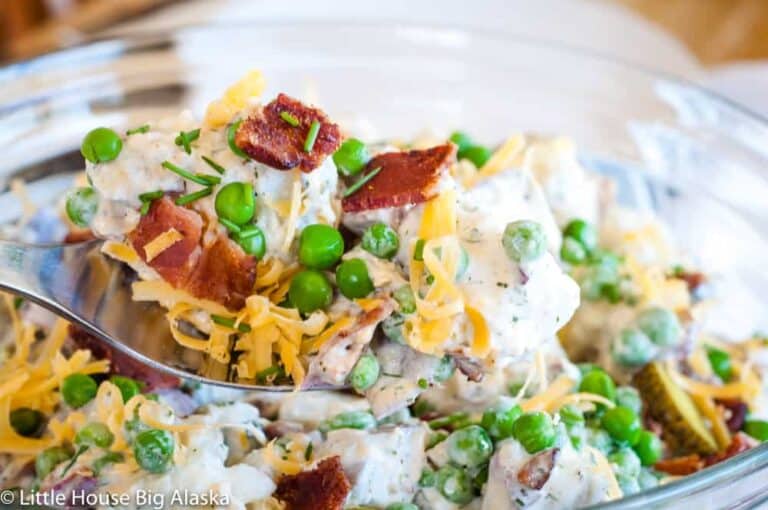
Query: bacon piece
[(122, 364), (220, 270), (269, 139), (680, 465), (323, 488), (176, 263), (224, 273), (406, 178), (470, 368), (740, 443), (535, 473)]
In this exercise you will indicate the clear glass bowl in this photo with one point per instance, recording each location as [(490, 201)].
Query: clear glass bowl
[(698, 161)]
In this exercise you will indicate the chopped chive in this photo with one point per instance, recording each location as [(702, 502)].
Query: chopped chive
[(145, 208), (231, 132), (249, 232), (232, 227), (151, 195), (186, 138), (263, 376), (17, 302), (140, 129), (230, 323), (308, 451), (203, 180), (213, 164), (191, 197), (361, 182), (418, 250), (210, 179), (290, 119), (311, 136)]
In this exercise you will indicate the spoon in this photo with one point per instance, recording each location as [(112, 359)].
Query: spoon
[(79, 283)]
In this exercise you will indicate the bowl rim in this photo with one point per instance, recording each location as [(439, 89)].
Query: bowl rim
[(113, 46)]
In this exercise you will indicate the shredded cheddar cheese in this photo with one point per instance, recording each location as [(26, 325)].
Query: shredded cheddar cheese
[(506, 156), (557, 390), (161, 243)]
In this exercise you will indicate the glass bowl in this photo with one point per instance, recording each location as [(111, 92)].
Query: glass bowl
[(696, 160)]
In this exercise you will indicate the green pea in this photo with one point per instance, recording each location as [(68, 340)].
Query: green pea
[(622, 424), (585, 368), (231, 135), (81, 206), (444, 369), (95, 434), (572, 251), (598, 382), (27, 422), (78, 389), (583, 233), (128, 387), (101, 145), (481, 478), (571, 415), (235, 202), (633, 348), (500, 421), (405, 299), (105, 460), (535, 431), (351, 157), (626, 463), (462, 140), (661, 325), (310, 291), (365, 373), (402, 506), (361, 420), (477, 154), (428, 478), (648, 448), (470, 446), (524, 241), (48, 459), (251, 240), (629, 397), (757, 429), (720, 361), (320, 246), (599, 439), (153, 450), (392, 327), (602, 278), (352, 279), (381, 240), (454, 484)]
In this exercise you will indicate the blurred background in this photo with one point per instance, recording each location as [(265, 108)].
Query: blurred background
[(721, 43)]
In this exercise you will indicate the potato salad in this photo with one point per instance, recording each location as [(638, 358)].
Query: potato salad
[(463, 324)]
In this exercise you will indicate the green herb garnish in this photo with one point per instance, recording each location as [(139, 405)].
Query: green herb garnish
[(311, 136), (140, 129), (290, 119), (186, 138), (213, 164), (362, 181), (191, 197), (230, 323)]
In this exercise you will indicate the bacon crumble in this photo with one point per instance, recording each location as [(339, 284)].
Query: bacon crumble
[(220, 270), (535, 473), (266, 137), (406, 178), (323, 488)]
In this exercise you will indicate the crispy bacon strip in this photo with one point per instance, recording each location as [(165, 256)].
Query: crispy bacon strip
[(405, 178), (680, 466), (122, 364), (268, 138), (323, 488), (220, 270), (535, 473)]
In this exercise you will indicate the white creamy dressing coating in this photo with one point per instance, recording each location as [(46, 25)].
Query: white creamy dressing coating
[(203, 464), (138, 169), (523, 304), (574, 481), (383, 466), (312, 407)]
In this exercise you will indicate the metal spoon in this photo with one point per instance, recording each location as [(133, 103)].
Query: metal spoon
[(79, 283)]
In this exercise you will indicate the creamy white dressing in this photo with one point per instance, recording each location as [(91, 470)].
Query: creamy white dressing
[(312, 407), (383, 466)]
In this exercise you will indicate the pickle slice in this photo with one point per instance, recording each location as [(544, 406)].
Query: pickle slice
[(683, 427)]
